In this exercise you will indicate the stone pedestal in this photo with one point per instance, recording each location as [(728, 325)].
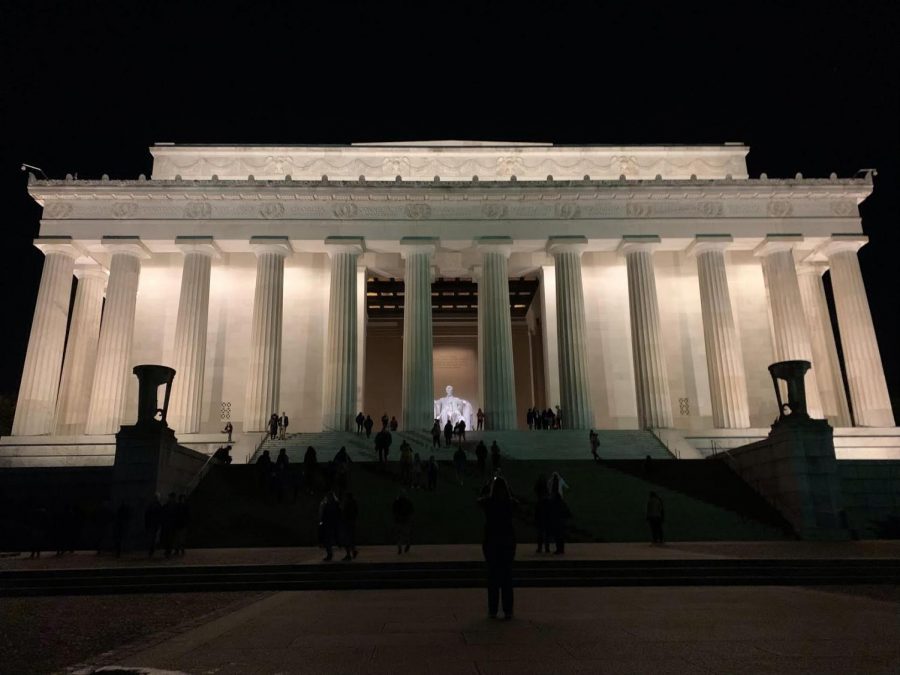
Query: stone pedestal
[(36, 405), (190, 332), (264, 374), (81, 351), (575, 392), (865, 373), (727, 381), (499, 403), (790, 330), (651, 380), (342, 341), (116, 335), (418, 344)]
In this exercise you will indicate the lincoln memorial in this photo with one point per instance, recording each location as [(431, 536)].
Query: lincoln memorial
[(634, 287)]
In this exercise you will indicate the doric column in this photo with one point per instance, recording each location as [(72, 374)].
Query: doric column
[(865, 374), (362, 318), (574, 384), (499, 379), (116, 334), (824, 350), (789, 327), (81, 351), (342, 345), (724, 362), (190, 333), (549, 337), (418, 343), (36, 406), (476, 277), (651, 379), (264, 372)]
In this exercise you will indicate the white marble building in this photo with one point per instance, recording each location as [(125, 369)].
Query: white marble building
[(667, 281)]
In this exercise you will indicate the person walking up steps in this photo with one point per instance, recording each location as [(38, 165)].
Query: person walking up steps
[(448, 434), (499, 547), (368, 424), (360, 421), (436, 434)]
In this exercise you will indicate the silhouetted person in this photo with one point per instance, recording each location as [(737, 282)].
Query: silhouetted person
[(329, 519), (448, 434), (402, 510), (432, 471), (557, 514), (283, 422), (120, 526), (479, 420), (383, 444), (594, 439), (273, 426), (541, 508), (459, 463), (229, 429), (384, 421), (264, 470), (223, 454), (495, 455), (310, 467), (406, 460), (368, 424), (529, 419), (558, 417), (182, 520), (417, 471), (648, 465), (349, 514), (499, 547), (436, 434), (168, 519), (481, 453), (341, 470), (461, 431), (394, 424), (152, 523), (655, 515), (360, 422)]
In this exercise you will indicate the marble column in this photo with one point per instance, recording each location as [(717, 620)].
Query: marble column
[(869, 396), (190, 333), (824, 350), (362, 322), (418, 343), (574, 384), (109, 389), (81, 351), (36, 405), (550, 342), (724, 361), (341, 346), (499, 378), (790, 330), (476, 277), (651, 380), (264, 372)]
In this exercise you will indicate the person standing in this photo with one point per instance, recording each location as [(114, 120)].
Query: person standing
[(394, 424), (281, 474), (436, 434), (529, 419), (495, 455), (541, 496), (349, 513), (360, 421), (557, 514), (448, 434), (402, 510), (273, 426), (368, 424), (594, 438), (310, 468), (432, 471), (479, 419), (383, 444), (461, 431), (329, 519), (283, 425), (229, 429), (384, 421), (459, 463), (499, 547), (558, 417), (655, 515), (152, 522), (406, 462), (481, 454)]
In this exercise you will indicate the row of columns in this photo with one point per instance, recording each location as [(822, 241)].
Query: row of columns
[(89, 395)]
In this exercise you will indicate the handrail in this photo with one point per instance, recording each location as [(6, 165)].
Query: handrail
[(195, 481)]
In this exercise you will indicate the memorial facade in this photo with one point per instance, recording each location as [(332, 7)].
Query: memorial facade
[(634, 287)]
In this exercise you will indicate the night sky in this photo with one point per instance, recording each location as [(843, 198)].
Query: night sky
[(86, 87)]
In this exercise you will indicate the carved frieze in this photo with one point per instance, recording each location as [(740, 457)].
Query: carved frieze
[(779, 208), (56, 210), (198, 210), (272, 210), (418, 211), (124, 210)]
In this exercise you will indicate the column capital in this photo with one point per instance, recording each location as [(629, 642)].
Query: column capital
[(775, 243), (566, 244), (501, 245), (127, 245), (412, 245), (838, 243), (277, 245), (202, 245), (709, 242), (90, 271), (637, 243), (62, 245), (338, 244)]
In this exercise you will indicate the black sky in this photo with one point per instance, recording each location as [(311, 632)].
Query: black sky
[(86, 87)]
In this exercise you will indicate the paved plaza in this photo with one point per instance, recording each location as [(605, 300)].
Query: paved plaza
[(576, 630)]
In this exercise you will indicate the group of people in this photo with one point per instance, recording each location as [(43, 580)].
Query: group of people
[(449, 430), (413, 469), (337, 524), (365, 423), (543, 419), (278, 425)]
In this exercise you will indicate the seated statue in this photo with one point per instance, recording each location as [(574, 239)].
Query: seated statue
[(452, 409)]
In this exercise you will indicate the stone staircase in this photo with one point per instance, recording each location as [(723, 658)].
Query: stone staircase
[(524, 445)]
